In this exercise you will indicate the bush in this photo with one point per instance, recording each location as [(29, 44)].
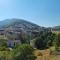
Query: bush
[(57, 41), (6, 55), (24, 52), (45, 40)]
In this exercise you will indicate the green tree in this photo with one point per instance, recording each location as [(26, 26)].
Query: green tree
[(6, 55), (3, 42), (24, 52), (57, 41), (45, 39)]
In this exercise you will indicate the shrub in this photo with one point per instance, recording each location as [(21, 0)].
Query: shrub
[(45, 40), (24, 52), (6, 55)]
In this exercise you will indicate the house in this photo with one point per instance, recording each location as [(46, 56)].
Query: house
[(12, 43)]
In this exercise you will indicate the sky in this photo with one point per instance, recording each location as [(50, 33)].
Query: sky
[(42, 12)]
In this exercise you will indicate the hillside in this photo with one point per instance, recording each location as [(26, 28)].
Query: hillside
[(15, 23)]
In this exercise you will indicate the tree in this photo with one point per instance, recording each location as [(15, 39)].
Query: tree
[(45, 40), (57, 41), (24, 52), (3, 42), (6, 55)]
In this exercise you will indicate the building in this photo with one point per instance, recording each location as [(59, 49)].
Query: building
[(12, 43)]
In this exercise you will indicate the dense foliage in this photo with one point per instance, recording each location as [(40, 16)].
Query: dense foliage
[(45, 40), (21, 52), (24, 52), (57, 42)]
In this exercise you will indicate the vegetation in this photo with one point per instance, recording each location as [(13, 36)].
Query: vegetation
[(57, 42), (24, 52), (45, 40), (3, 43)]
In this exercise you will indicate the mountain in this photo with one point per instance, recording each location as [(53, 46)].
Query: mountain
[(22, 24), (19, 24)]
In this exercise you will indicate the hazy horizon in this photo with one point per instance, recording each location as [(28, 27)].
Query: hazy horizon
[(41, 12)]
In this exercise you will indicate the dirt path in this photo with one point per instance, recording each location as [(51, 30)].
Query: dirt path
[(46, 55), (52, 57)]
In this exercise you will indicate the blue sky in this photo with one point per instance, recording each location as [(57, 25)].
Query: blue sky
[(42, 12)]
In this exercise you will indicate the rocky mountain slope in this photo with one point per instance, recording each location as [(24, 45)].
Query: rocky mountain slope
[(19, 24)]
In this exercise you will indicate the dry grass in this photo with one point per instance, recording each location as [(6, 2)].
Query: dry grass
[(45, 55)]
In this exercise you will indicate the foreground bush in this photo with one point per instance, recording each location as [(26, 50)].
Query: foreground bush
[(24, 52), (6, 55), (57, 41), (45, 40)]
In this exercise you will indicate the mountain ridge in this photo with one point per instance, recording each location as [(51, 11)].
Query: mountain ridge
[(21, 23), (27, 24)]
